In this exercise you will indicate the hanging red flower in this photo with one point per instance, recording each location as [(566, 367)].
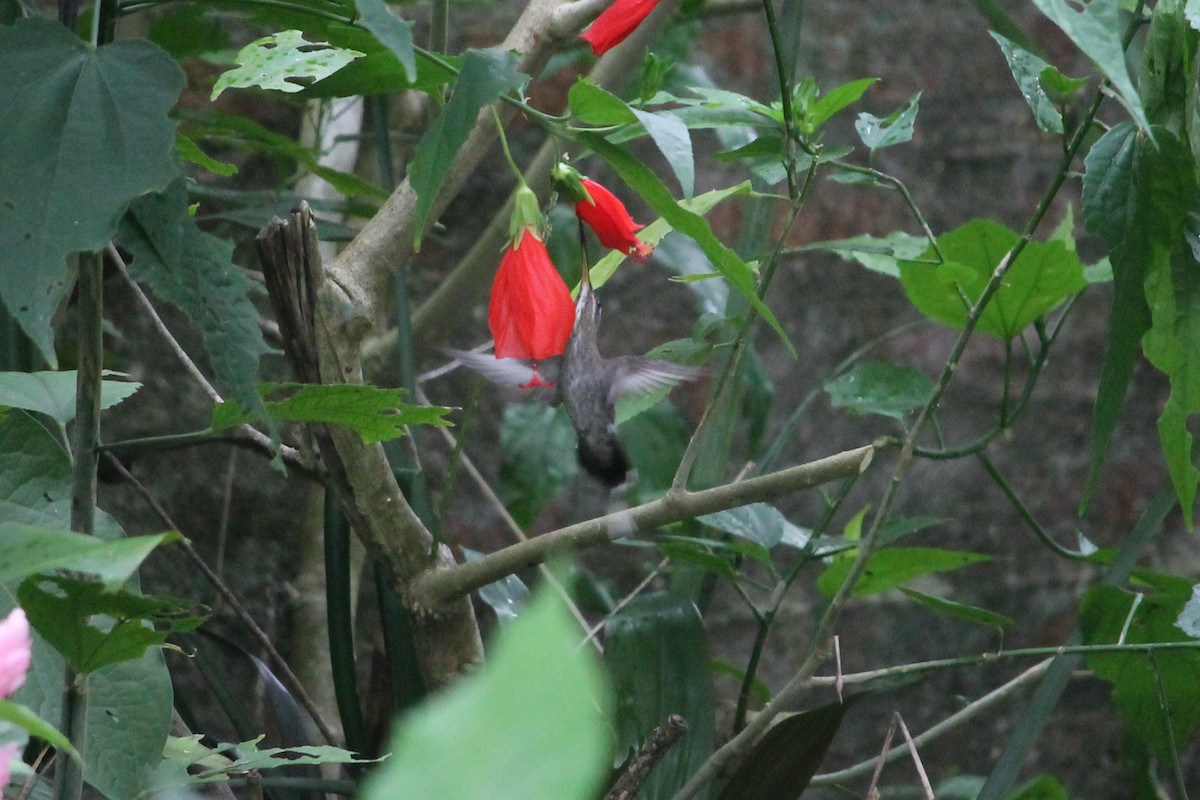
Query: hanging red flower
[(615, 24), (531, 313), (608, 217)]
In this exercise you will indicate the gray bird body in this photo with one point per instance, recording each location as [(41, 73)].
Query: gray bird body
[(586, 383)]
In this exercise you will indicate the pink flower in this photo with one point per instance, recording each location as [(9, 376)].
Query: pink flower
[(531, 313), (608, 217), (615, 24), (7, 753), (15, 652)]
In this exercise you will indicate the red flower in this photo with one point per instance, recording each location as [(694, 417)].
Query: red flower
[(531, 313), (615, 24), (607, 216)]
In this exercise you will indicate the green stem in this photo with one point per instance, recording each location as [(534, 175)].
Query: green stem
[(785, 97), (68, 780), (339, 611), (1023, 511)]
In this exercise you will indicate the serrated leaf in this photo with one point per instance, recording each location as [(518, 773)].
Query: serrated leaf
[(1136, 677), (65, 102), (93, 627), (657, 654), (26, 550), (980, 616), (537, 450), (485, 75), (193, 271), (674, 141), (887, 389), (881, 254), (539, 693), (784, 760), (1095, 28), (1044, 275), (895, 566), (1027, 70), (53, 393), (284, 62), (728, 263), (895, 128), (393, 33), (374, 413)]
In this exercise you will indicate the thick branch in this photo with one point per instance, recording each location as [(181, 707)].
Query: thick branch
[(432, 589)]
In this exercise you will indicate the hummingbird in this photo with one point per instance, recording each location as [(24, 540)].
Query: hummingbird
[(586, 383)]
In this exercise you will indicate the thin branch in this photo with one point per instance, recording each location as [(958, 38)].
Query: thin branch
[(432, 589), (662, 739)]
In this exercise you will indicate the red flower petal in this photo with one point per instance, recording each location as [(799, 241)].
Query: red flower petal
[(615, 24), (531, 313), (608, 217)]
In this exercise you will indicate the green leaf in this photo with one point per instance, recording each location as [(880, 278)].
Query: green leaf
[(485, 75), (65, 104), (758, 522), (657, 654), (394, 33), (1173, 345), (728, 263), (539, 695), (674, 141), (1027, 69), (187, 762), (816, 113), (1188, 620), (506, 597), (283, 61), (1104, 615), (190, 152), (886, 389), (1137, 193), (192, 270), (24, 717), (895, 566), (26, 550), (374, 413), (93, 627), (654, 441), (980, 616), (189, 31), (878, 254), (53, 393), (593, 105), (1043, 787), (537, 448), (895, 128), (785, 759), (1044, 275), (1095, 28)]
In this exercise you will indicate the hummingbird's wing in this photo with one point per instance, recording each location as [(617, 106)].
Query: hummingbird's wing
[(532, 379), (638, 375)]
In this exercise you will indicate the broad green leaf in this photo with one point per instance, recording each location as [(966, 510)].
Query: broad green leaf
[(380, 72), (728, 263), (881, 254), (895, 128), (485, 75), (1167, 78), (873, 388), (537, 451), (284, 62), (1137, 194), (1104, 614), (980, 616), (65, 104), (23, 716), (394, 33), (189, 31), (1027, 69), (93, 627), (374, 413), (895, 566), (654, 441), (1095, 28), (657, 654), (26, 550), (540, 695), (192, 270), (758, 522), (1044, 275), (1043, 787), (593, 105), (187, 762), (815, 113), (674, 141), (1173, 345), (53, 393), (784, 760)]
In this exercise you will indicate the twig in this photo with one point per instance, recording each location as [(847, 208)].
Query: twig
[(289, 678), (431, 589), (662, 739), (916, 757)]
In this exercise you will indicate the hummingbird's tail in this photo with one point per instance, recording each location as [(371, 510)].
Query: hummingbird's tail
[(604, 458)]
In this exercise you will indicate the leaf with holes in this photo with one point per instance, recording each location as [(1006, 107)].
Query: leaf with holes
[(283, 61)]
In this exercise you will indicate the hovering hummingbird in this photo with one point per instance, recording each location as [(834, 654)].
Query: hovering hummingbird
[(588, 384)]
